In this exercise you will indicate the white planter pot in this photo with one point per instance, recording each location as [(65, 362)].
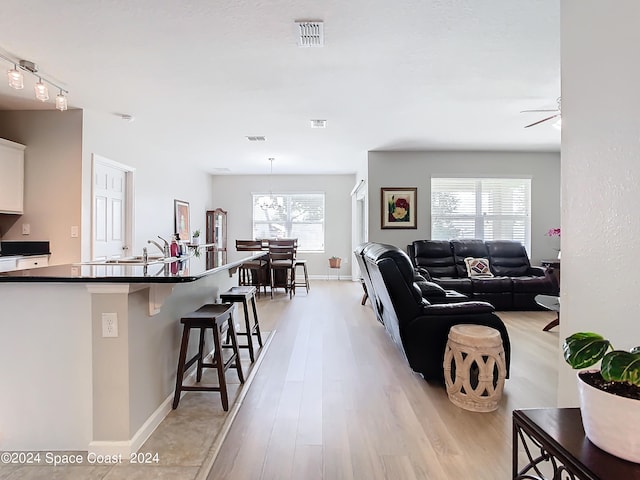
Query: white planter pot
[(610, 421)]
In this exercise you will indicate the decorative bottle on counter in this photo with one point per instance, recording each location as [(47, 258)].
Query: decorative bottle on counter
[(182, 247), (174, 248)]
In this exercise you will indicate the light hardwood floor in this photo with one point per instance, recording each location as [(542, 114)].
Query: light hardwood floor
[(335, 399)]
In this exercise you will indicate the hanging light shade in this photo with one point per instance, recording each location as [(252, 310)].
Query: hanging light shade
[(42, 92), (61, 101), (16, 79)]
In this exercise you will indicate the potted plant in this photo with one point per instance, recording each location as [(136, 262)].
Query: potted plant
[(195, 238), (609, 397), (334, 262)]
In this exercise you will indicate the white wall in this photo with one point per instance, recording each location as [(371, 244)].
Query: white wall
[(601, 175), (52, 177), (414, 169), (159, 177), (233, 194)]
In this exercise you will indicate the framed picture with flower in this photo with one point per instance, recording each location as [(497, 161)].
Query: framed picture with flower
[(398, 207), (181, 220)]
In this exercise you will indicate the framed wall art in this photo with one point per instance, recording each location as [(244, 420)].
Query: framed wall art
[(181, 220), (398, 207)]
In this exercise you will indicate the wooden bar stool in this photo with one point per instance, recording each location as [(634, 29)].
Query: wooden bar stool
[(242, 295), (301, 263), (218, 317)]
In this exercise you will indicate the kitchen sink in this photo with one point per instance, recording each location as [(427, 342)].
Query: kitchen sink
[(134, 261), (131, 261)]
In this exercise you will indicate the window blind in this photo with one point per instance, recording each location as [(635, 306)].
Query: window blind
[(484, 208)]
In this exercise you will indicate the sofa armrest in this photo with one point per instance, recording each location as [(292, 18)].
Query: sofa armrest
[(537, 271), (460, 308), (430, 289), (425, 273)]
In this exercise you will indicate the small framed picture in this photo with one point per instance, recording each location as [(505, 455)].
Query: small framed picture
[(181, 220), (398, 207)]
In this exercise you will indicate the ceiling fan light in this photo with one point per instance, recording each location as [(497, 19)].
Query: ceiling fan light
[(42, 92), (61, 102), (16, 79)]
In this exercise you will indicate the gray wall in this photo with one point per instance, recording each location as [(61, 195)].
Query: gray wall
[(233, 194), (414, 169)]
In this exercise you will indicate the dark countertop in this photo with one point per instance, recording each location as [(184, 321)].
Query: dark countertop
[(188, 270)]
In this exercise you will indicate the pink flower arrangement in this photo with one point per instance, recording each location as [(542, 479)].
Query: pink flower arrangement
[(553, 232)]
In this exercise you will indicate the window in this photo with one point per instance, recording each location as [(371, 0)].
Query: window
[(484, 208), (290, 215)]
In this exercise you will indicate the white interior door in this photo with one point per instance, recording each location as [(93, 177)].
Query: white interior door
[(111, 229)]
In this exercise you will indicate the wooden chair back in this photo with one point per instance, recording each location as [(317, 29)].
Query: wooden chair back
[(248, 245)]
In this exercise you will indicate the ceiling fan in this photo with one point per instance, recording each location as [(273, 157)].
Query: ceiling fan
[(557, 113)]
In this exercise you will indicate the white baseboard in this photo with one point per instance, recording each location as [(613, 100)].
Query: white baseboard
[(127, 447)]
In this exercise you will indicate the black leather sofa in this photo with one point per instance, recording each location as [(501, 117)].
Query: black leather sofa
[(514, 283), (419, 328)]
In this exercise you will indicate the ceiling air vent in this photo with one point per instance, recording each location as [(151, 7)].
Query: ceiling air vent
[(256, 138), (310, 34), (318, 124)]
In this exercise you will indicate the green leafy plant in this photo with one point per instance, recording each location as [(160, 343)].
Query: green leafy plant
[(196, 233), (335, 258), (584, 349)]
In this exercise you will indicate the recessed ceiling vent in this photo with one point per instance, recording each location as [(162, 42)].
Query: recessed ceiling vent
[(310, 34), (256, 138), (318, 124)]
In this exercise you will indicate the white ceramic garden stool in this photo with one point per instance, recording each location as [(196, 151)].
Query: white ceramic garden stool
[(474, 367)]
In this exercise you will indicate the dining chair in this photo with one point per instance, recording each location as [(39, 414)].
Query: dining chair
[(281, 266), (253, 272)]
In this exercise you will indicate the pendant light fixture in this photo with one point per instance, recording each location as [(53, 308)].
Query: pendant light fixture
[(16, 81), (268, 202)]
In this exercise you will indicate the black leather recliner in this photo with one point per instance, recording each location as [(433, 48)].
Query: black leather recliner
[(419, 328)]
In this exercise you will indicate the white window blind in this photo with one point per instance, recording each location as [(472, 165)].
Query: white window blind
[(290, 215), (484, 208)]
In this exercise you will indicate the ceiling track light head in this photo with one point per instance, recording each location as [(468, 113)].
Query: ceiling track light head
[(28, 66)]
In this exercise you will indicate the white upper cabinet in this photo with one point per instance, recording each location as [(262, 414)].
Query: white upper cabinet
[(11, 177)]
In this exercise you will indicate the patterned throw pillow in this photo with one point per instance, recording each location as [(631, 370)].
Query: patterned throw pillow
[(478, 267)]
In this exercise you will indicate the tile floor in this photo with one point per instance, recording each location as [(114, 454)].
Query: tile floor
[(186, 441)]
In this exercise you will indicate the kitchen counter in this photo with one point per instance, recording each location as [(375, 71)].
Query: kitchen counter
[(80, 388), (178, 271)]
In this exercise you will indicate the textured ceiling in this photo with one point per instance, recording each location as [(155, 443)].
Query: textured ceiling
[(393, 75)]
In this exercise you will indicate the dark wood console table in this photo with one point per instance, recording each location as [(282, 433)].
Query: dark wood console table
[(555, 445)]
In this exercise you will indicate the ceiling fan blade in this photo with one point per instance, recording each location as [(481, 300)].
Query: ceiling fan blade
[(548, 110), (543, 120)]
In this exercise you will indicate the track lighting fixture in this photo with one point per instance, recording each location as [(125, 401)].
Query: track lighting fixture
[(16, 81)]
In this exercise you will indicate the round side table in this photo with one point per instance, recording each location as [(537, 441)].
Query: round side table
[(474, 367)]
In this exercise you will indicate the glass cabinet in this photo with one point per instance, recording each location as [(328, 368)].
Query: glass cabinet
[(217, 236)]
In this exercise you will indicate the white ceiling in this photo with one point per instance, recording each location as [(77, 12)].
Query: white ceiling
[(393, 74)]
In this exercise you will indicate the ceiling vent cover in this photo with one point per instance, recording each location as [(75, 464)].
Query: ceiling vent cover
[(310, 34), (256, 138), (318, 124)]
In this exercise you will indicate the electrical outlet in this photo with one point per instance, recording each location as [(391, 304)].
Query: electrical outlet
[(109, 324), (74, 232)]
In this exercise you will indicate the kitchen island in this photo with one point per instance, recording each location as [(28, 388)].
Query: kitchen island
[(68, 386)]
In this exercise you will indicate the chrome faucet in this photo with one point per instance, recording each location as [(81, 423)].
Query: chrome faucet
[(164, 249)]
